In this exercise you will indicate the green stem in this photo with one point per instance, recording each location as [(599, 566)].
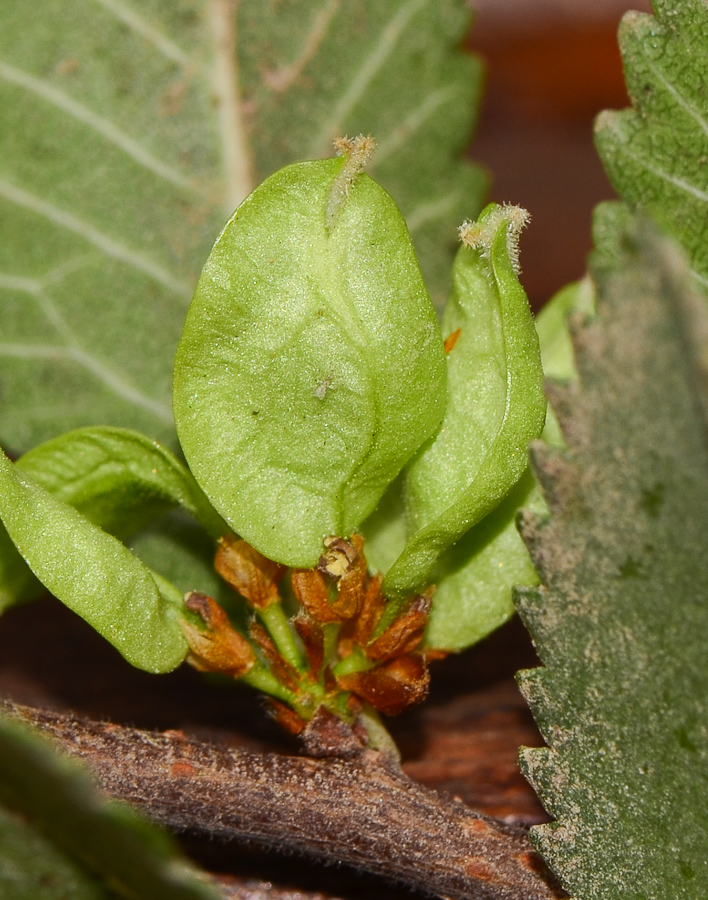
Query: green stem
[(355, 662), (331, 635), (379, 737), (262, 679), (278, 627)]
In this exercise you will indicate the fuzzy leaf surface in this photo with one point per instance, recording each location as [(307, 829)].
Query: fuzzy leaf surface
[(656, 154), (59, 840), (124, 146), (621, 617)]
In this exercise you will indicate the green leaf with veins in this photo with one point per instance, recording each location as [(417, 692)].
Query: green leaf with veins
[(621, 618), (122, 482), (495, 404), (311, 365), (60, 840), (129, 132), (93, 573), (656, 154), (119, 479)]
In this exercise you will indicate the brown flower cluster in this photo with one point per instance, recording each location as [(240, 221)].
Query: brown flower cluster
[(351, 654)]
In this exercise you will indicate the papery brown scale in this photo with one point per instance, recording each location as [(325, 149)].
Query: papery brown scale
[(218, 647), (282, 669), (310, 587), (248, 571), (312, 637), (286, 717), (351, 588), (340, 554), (370, 613), (405, 633), (392, 687)]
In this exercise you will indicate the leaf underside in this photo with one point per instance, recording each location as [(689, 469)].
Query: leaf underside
[(656, 154), (620, 621), (122, 154)]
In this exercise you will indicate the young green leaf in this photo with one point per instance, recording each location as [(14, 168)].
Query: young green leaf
[(17, 583), (59, 840), (122, 482), (311, 365), (92, 573), (119, 479), (476, 576), (655, 154), (130, 131), (495, 403), (621, 619)]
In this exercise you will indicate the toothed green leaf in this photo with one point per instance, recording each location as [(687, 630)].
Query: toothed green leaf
[(621, 618), (59, 840), (123, 149), (656, 154)]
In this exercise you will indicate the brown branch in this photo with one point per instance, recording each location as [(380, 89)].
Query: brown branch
[(363, 811)]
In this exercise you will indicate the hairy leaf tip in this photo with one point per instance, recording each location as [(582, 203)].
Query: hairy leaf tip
[(358, 151), (480, 235)]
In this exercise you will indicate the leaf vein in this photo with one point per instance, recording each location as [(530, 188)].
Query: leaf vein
[(109, 131), (75, 354), (412, 123), (367, 71), (153, 35), (281, 79), (93, 235)]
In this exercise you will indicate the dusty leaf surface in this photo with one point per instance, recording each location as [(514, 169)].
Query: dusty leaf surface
[(621, 617)]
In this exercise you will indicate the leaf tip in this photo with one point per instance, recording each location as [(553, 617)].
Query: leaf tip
[(480, 235), (358, 152)]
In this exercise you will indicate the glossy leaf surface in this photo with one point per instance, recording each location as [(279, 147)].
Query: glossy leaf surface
[(621, 618), (311, 365), (495, 407), (92, 573)]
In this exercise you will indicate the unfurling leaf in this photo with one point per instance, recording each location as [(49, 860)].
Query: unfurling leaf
[(621, 619), (311, 365), (121, 481), (93, 573), (476, 576), (495, 404)]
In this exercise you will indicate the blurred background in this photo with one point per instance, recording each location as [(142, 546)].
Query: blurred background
[(552, 65)]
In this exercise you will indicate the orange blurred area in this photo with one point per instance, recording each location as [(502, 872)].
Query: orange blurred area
[(544, 89)]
